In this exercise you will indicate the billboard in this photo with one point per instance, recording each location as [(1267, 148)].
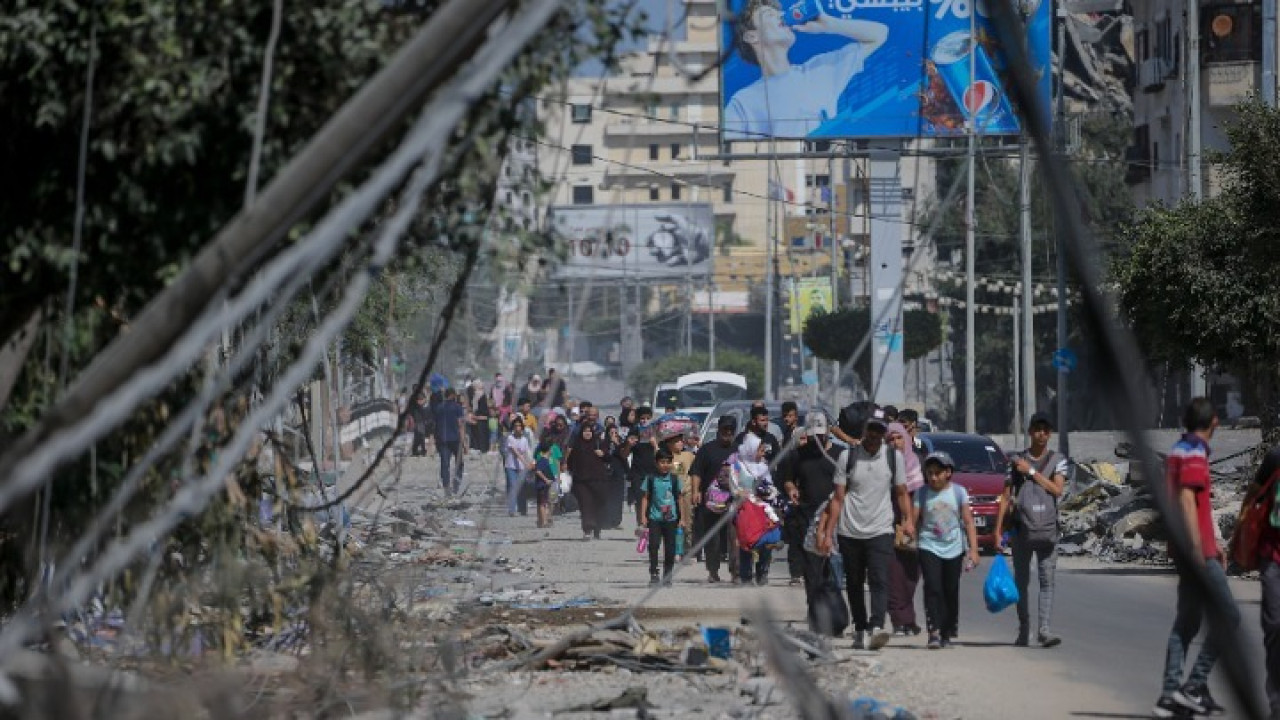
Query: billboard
[(646, 242), (870, 68), (809, 296)]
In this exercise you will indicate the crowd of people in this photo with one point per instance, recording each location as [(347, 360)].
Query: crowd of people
[(865, 512)]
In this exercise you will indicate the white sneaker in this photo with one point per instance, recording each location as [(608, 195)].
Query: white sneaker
[(879, 638)]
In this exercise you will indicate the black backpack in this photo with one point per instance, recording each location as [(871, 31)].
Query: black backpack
[(1035, 508)]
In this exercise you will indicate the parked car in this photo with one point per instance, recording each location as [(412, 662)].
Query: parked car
[(981, 468), (741, 409)]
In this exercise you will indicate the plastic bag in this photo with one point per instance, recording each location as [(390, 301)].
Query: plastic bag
[(566, 483), (643, 543), (999, 591)]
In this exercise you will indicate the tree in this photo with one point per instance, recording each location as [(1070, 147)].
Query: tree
[(1198, 282), (835, 335)]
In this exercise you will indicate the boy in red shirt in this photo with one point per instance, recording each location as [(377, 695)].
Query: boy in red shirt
[(1187, 472)]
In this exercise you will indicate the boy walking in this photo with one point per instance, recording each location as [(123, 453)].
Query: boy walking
[(945, 520), (1187, 473), (1037, 479), (660, 514)]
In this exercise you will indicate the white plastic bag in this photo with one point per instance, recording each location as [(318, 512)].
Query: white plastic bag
[(566, 483)]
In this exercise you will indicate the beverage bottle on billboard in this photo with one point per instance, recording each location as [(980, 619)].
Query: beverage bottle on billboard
[(800, 12), (973, 86)]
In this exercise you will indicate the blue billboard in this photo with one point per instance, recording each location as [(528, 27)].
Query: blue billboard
[(871, 68)]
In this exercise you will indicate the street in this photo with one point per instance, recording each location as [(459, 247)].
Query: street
[(1114, 620)]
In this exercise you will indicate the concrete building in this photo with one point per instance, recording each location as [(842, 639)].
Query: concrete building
[(1231, 67)]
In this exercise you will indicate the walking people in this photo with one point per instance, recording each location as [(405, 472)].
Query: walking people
[(866, 487), (616, 496), (588, 463), (660, 515), (449, 421), (478, 420), (945, 519), (640, 450), (517, 464), (420, 413), (904, 570), (1037, 479), (705, 470), (759, 530), (671, 438), (1269, 569), (1190, 486), (809, 484), (545, 472)]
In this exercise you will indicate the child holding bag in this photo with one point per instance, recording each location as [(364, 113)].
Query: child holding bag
[(945, 520), (660, 515)]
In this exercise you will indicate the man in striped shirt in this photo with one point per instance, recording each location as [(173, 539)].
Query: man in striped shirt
[(1187, 472)]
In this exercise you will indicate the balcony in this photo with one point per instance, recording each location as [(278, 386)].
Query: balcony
[(642, 172), (1230, 83), (673, 130), (667, 85)]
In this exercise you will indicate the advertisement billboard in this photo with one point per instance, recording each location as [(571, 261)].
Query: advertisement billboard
[(809, 296), (871, 68), (644, 242)]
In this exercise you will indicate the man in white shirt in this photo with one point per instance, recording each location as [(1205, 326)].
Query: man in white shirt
[(867, 483), (789, 100)]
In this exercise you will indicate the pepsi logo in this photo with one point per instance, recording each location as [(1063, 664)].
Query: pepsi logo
[(979, 96)]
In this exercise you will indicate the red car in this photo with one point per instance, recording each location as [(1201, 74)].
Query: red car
[(981, 467)]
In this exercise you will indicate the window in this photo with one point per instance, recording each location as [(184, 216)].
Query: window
[(818, 146), (581, 154), (675, 151), (728, 192), (653, 151), (675, 191), (653, 193), (675, 111), (583, 195), (581, 113)]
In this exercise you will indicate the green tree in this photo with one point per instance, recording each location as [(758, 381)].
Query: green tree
[(1198, 283), (835, 335)]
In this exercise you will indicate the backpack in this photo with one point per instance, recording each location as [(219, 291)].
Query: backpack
[(1035, 509), (892, 456), (719, 496), (670, 512), (1256, 516)]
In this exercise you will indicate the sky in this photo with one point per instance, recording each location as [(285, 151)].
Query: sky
[(657, 11)]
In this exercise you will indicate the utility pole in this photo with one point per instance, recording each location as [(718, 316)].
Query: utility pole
[(711, 322), (1017, 375), (770, 212), (1028, 320), (1194, 161), (835, 260), (1269, 52), (1064, 443), (970, 345)]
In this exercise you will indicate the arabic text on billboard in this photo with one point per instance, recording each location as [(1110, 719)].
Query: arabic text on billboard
[(870, 68), (648, 242)]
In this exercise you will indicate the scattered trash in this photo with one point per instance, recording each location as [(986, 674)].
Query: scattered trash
[(718, 642)]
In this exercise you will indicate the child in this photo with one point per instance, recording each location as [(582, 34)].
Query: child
[(758, 532), (660, 513), (945, 520), (544, 475)]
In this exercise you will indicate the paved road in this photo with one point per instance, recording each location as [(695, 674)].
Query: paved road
[(1114, 620)]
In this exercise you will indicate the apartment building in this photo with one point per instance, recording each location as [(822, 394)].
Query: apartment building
[(1231, 65)]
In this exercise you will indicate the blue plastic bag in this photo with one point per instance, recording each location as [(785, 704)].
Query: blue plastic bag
[(999, 590)]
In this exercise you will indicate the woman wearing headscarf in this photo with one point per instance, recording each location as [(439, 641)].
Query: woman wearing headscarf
[(904, 569), (478, 420), (588, 463), (533, 391)]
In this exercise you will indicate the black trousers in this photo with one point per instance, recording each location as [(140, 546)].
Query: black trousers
[(794, 526), (866, 563), (713, 551), (942, 591), (662, 534)]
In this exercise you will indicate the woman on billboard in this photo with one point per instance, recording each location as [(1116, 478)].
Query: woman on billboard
[(790, 100)]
